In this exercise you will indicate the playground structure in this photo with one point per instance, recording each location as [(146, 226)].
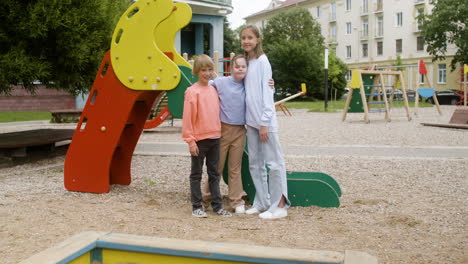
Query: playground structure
[(425, 92), (283, 107), (163, 110), (141, 65), (372, 91)]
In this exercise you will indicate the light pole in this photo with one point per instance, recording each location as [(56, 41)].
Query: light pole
[(326, 79)]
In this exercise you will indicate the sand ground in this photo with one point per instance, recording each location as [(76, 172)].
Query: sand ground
[(401, 210)]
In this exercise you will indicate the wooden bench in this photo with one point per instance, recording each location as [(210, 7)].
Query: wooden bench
[(15, 144), (66, 115)]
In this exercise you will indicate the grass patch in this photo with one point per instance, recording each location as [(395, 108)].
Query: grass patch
[(336, 106), (23, 116)]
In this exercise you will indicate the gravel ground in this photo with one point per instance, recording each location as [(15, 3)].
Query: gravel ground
[(397, 209)]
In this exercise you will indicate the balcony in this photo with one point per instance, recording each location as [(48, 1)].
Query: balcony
[(419, 2), (416, 27), (378, 8), (332, 17), (378, 34), (363, 35), (364, 11)]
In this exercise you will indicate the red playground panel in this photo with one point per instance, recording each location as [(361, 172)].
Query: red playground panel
[(106, 135)]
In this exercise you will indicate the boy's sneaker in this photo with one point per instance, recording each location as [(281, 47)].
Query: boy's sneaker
[(240, 209), (199, 213), (222, 212)]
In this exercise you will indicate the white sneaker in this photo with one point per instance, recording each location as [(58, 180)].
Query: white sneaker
[(252, 210), (240, 209), (199, 213), (278, 213)]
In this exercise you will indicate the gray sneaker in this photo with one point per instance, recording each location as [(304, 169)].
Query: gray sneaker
[(222, 212), (199, 213)]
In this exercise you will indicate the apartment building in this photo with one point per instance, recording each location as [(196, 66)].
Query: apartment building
[(373, 32)]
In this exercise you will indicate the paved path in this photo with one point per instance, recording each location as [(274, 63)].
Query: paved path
[(369, 151)]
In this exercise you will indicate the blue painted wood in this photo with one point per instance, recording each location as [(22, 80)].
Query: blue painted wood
[(426, 92), (78, 253), (96, 255)]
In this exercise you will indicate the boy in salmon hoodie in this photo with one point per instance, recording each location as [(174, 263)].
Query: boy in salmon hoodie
[(201, 129)]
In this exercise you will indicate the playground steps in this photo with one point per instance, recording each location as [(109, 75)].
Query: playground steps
[(102, 147)]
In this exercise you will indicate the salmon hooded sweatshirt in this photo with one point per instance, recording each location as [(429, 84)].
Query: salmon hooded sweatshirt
[(201, 114)]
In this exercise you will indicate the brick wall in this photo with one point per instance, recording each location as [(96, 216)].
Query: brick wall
[(43, 100)]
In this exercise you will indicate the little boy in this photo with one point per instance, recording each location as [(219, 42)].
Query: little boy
[(201, 129)]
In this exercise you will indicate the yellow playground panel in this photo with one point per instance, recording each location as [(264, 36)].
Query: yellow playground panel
[(138, 60), (111, 248)]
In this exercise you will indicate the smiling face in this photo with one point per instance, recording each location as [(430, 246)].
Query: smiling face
[(239, 68), (249, 41), (204, 75)]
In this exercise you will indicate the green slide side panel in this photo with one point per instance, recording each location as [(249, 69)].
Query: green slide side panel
[(355, 106), (308, 192), (317, 176), (176, 96), (304, 188)]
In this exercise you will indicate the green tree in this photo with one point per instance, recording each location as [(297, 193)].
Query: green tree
[(336, 75), (57, 42), (447, 24), (231, 41), (295, 47)]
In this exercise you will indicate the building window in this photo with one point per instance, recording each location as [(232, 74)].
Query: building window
[(348, 5), (420, 43), (333, 11), (348, 75), (442, 77), (379, 5), (365, 49), (365, 27), (399, 19), (421, 78), (379, 48), (399, 45), (365, 6), (348, 52), (333, 32), (380, 26), (348, 28), (318, 11)]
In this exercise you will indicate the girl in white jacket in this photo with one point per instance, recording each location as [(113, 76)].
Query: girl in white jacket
[(271, 197)]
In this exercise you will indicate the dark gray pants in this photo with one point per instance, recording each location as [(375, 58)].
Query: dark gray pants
[(209, 149)]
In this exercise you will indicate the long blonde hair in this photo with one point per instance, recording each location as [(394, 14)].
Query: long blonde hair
[(258, 50)]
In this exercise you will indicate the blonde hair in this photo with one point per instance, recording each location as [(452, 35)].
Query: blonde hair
[(202, 61), (258, 50), (234, 60)]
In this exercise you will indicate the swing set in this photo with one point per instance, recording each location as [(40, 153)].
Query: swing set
[(374, 92)]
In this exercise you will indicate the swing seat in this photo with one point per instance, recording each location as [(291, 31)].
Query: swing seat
[(426, 92)]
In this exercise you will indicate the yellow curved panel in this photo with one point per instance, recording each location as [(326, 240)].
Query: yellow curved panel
[(137, 61), (166, 31)]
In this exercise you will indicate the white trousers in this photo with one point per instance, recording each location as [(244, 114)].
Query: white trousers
[(268, 188)]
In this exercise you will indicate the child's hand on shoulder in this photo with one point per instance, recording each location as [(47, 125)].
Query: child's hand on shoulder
[(194, 151)]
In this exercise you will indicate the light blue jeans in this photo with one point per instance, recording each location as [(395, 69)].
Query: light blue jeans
[(268, 188)]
